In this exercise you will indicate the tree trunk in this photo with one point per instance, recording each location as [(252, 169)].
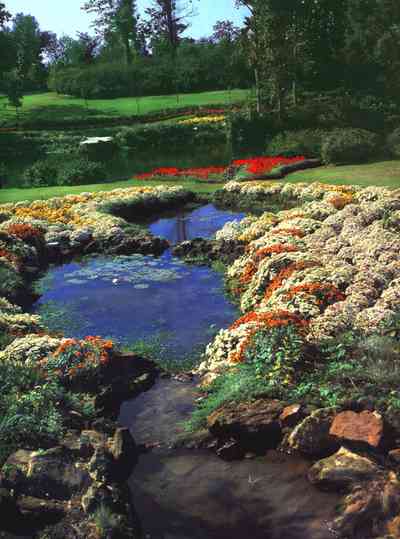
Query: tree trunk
[(258, 90), (128, 51)]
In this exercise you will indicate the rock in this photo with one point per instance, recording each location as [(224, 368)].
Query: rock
[(394, 456), (365, 427), (361, 509), (98, 147), (96, 495), (290, 415), (44, 474), (10, 514), (42, 511), (89, 441), (81, 237), (125, 453), (230, 450), (254, 425), (311, 437), (342, 470), (101, 466), (391, 496)]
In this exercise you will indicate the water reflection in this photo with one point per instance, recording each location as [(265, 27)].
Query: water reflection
[(200, 223)]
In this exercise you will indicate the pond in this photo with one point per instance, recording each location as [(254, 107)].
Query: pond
[(160, 300)]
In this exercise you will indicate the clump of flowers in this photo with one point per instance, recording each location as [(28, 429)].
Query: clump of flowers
[(78, 359), (325, 293), (340, 201), (297, 232), (285, 273), (270, 319), (11, 258), (25, 232), (263, 165), (263, 321)]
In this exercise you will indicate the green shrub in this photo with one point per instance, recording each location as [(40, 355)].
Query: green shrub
[(271, 361), (307, 142), (40, 174), (344, 146), (81, 171), (29, 414), (393, 143), (174, 134)]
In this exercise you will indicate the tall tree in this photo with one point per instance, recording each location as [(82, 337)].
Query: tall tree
[(116, 17), (4, 14), (28, 40), (168, 19)]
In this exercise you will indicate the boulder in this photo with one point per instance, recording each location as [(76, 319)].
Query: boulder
[(394, 456), (365, 427), (124, 452), (44, 474), (10, 514), (342, 470), (311, 437), (291, 415), (255, 425)]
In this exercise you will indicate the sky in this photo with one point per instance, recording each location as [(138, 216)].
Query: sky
[(66, 17)]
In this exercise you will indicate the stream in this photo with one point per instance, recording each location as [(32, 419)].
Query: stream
[(182, 493), (192, 494)]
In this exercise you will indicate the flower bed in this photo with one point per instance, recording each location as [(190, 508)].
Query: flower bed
[(333, 262), (241, 169)]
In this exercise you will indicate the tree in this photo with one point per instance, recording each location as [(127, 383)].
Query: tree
[(167, 21), (116, 18), (4, 14), (27, 37), (14, 89)]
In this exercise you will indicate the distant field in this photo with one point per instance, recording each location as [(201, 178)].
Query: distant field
[(383, 174), (53, 107)]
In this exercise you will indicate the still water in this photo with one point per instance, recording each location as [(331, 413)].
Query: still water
[(160, 300), (192, 494)]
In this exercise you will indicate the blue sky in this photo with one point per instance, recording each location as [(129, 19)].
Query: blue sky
[(66, 17)]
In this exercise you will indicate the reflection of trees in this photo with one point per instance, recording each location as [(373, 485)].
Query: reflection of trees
[(181, 228)]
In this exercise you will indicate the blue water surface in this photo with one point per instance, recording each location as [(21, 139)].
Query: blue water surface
[(200, 223), (137, 297)]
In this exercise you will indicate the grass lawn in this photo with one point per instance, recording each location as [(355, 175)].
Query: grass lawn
[(43, 193), (384, 174), (57, 108)]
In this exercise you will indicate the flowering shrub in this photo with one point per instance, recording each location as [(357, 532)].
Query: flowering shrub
[(325, 293), (10, 257), (263, 165), (340, 201), (284, 274), (78, 359), (25, 232)]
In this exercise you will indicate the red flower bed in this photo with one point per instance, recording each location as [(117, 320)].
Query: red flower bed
[(263, 165), (173, 172), (256, 165)]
